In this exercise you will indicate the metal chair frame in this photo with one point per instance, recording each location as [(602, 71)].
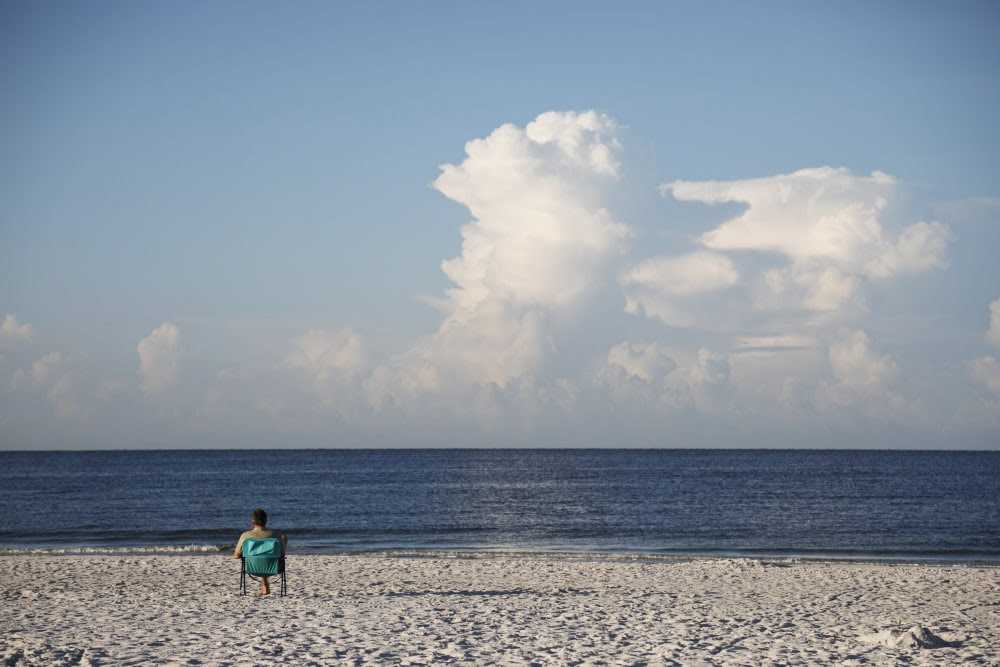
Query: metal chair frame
[(244, 574)]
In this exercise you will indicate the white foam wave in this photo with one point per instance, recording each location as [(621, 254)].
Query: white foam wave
[(153, 549), (526, 554)]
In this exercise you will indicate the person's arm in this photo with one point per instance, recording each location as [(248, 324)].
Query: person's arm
[(239, 548)]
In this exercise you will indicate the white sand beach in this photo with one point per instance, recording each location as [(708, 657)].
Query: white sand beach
[(357, 610)]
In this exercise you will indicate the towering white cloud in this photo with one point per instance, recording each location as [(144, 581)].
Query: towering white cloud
[(540, 224), (159, 360), (540, 235)]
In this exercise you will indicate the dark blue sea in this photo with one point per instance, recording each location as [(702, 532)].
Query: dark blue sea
[(638, 503)]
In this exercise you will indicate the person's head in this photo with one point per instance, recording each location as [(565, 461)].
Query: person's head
[(259, 518)]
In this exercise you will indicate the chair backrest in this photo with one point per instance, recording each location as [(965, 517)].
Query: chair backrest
[(262, 555)]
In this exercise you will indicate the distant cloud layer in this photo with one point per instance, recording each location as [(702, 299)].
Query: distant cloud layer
[(993, 333), (13, 332), (159, 363), (986, 369), (567, 316)]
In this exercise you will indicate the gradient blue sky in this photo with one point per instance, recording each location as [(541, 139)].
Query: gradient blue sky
[(711, 224)]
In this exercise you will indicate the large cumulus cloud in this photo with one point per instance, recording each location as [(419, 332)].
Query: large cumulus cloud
[(760, 316), (539, 237)]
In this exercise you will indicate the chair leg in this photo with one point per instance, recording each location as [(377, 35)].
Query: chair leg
[(243, 577)]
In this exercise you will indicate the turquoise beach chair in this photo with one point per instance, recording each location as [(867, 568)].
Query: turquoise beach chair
[(261, 558)]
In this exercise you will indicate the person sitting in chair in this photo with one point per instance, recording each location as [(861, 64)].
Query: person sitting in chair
[(260, 529)]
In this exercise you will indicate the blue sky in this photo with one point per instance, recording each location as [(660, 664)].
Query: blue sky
[(489, 224)]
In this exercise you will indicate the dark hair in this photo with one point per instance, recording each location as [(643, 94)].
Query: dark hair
[(259, 517)]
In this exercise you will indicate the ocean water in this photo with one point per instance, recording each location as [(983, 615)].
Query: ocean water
[(636, 503)]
